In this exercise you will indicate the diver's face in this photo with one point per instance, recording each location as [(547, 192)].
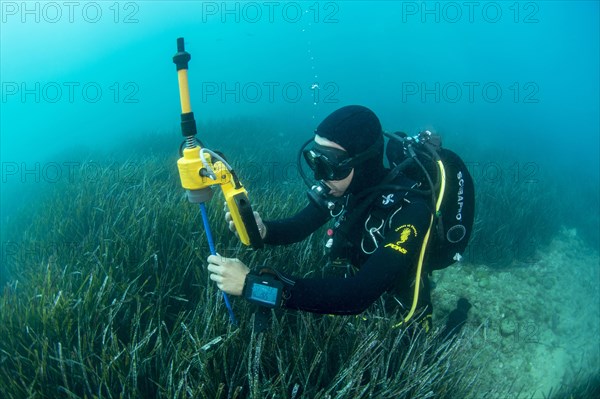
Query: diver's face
[(338, 187)]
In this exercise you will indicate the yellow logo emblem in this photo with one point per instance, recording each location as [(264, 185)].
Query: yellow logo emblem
[(406, 231)]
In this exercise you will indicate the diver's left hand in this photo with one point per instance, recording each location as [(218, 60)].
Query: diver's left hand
[(228, 273)]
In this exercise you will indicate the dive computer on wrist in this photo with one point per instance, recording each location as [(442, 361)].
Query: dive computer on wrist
[(264, 290)]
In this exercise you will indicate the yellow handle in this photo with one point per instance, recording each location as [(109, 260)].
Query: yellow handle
[(184, 91)]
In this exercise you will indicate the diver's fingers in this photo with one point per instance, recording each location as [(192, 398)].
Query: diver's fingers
[(228, 218), (230, 224), (262, 229), (232, 228)]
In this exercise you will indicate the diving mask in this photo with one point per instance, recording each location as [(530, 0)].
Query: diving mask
[(330, 163)]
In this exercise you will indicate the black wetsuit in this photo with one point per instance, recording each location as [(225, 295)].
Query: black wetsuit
[(389, 268)]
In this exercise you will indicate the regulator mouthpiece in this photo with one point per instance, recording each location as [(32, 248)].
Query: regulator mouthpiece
[(319, 195)]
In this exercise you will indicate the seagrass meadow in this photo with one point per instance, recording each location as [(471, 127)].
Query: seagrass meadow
[(104, 288), (107, 296)]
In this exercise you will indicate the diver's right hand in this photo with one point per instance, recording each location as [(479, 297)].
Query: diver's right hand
[(262, 229)]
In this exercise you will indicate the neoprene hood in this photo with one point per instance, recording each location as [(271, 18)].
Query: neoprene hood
[(356, 128)]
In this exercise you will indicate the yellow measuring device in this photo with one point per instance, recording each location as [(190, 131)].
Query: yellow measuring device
[(200, 168)]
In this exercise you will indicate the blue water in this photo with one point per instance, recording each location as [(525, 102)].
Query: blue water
[(512, 86), (517, 78)]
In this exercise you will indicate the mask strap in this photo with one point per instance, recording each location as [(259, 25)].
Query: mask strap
[(363, 156)]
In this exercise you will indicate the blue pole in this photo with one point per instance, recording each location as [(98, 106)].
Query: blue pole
[(211, 246)]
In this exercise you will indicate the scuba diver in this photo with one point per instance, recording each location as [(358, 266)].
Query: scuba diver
[(382, 219)]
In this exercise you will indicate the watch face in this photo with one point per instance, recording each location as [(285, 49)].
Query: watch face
[(263, 290), (264, 294)]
